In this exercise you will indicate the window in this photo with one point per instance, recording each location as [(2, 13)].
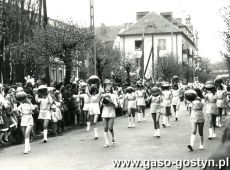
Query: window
[(138, 45), (138, 62), (60, 75), (162, 44), (53, 74)]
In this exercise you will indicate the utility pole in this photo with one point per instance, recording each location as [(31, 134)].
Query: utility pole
[(2, 36), (92, 28), (142, 57)]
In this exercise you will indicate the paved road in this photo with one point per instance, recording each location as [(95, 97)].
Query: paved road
[(78, 150)]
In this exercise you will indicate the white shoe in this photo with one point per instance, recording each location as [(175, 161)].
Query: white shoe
[(26, 151), (130, 125), (213, 135), (158, 133), (144, 119), (168, 125), (133, 125), (201, 147), (106, 146), (88, 126), (139, 117), (113, 141)]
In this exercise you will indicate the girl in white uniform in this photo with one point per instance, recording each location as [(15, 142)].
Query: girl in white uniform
[(130, 99), (176, 100), (26, 110), (156, 102), (85, 100), (197, 118), (140, 93), (45, 101), (109, 101), (93, 105), (167, 102), (211, 111)]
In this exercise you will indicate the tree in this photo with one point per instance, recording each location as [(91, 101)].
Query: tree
[(60, 40), (18, 19), (108, 59), (167, 66), (226, 35), (126, 67)]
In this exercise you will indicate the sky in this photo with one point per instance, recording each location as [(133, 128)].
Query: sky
[(205, 16)]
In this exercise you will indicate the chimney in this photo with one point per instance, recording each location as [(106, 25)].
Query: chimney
[(167, 15), (139, 15), (188, 20)]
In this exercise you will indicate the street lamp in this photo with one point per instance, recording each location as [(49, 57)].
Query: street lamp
[(93, 30)]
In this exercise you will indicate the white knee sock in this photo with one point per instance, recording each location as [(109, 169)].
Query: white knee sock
[(139, 117), (155, 132), (95, 132), (129, 121), (164, 120), (45, 134), (158, 132), (88, 126), (133, 121), (27, 142), (210, 132), (177, 114), (106, 135), (192, 139)]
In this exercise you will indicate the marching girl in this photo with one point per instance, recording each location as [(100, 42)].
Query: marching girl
[(130, 100), (156, 102), (45, 101), (211, 108), (167, 101), (176, 100), (109, 100), (221, 96), (140, 93), (26, 110), (85, 104), (197, 116), (94, 107)]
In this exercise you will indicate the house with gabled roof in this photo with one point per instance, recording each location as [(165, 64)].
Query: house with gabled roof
[(160, 34)]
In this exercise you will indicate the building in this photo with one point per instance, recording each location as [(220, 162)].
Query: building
[(159, 34)]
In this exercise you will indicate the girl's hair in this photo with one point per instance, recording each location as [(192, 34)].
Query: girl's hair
[(226, 134), (165, 88), (175, 87), (93, 90), (220, 87)]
